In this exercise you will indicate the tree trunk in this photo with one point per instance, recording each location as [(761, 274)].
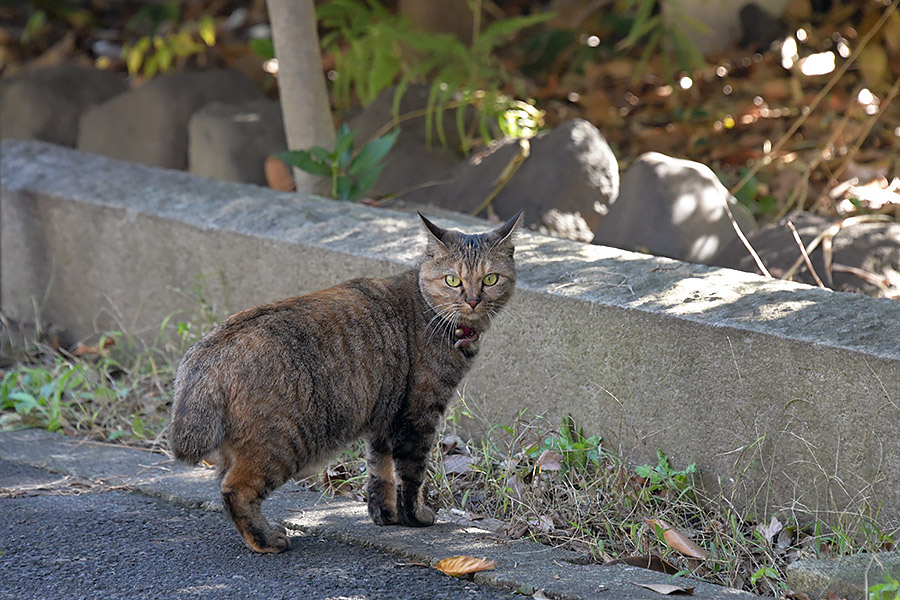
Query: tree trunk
[(301, 84)]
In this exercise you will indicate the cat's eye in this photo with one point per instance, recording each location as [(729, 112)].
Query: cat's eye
[(453, 281), (490, 279)]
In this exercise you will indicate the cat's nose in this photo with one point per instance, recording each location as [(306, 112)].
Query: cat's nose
[(473, 302)]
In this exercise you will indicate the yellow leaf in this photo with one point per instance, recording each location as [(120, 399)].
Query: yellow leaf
[(206, 27), (463, 565)]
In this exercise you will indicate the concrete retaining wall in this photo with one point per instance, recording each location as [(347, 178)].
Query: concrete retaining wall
[(786, 395)]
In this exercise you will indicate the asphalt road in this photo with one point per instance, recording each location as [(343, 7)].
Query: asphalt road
[(67, 540)]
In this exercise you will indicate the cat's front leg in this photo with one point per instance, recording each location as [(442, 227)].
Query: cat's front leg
[(411, 449), (382, 486)]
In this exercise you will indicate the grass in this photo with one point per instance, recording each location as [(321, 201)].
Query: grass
[(115, 391), (534, 478)]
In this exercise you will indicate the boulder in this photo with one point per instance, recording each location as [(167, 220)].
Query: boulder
[(672, 207), (149, 124), (865, 255), (413, 161), (567, 176), (231, 142), (713, 25), (45, 104)]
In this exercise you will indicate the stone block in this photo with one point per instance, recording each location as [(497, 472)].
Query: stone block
[(671, 207), (45, 104), (232, 141), (149, 124), (570, 170), (865, 255), (845, 577)]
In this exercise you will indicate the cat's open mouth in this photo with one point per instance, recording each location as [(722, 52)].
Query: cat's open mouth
[(464, 336)]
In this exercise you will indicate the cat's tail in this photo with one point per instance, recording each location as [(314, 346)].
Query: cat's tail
[(198, 412)]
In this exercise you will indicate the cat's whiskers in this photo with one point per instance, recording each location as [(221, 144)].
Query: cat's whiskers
[(445, 319)]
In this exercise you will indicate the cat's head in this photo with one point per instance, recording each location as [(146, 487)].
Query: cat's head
[(467, 278)]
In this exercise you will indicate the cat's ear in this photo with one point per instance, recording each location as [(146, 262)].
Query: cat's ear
[(503, 234), (437, 237)]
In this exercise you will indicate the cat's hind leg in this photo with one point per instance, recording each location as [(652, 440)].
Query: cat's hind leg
[(382, 486), (244, 487)]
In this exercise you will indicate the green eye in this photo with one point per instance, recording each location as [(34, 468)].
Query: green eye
[(490, 279), (452, 280)]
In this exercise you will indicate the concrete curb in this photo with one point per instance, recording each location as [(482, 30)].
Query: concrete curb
[(787, 397), (521, 564)]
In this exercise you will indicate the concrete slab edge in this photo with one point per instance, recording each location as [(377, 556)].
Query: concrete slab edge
[(522, 565)]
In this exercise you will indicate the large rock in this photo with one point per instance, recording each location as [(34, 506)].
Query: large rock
[(713, 25), (844, 577), (232, 141), (413, 161), (672, 207), (865, 255), (45, 104), (149, 124), (568, 171)]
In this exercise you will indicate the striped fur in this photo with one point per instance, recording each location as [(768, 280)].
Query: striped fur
[(278, 389)]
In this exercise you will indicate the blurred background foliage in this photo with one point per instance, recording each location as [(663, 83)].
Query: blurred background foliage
[(806, 120)]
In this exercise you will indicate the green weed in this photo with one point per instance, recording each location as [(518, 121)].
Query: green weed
[(375, 49), (351, 172)]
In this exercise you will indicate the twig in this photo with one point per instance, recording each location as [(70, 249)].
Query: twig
[(745, 241), (508, 171), (805, 255), (879, 281), (830, 233), (870, 123)]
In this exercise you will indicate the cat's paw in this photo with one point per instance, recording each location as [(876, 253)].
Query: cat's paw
[(423, 516), (273, 541), (383, 515)]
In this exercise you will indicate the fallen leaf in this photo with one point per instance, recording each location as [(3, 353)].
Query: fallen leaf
[(278, 175), (771, 530), (679, 541), (652, 562), (516, 487), (542, 523), (453, 444), (459, 463), (549, 460), (666, 589), (100, 349), (463, 565)]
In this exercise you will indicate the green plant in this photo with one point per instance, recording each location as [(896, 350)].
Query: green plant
[(578, 451), (662, 32), (889, 590), (351, 173), (663, 478), (167, 40), (374, 49)]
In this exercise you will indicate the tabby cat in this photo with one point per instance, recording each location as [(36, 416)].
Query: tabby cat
[(279, 388)]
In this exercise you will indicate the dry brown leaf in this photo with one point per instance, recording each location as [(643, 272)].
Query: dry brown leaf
[(278, 175), (550, 460), (459, 463), (666, 589), (652, 562), (99, 350), (463, 565), (771, 530), (678, 541)]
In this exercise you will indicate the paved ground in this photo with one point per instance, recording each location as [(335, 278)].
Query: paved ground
[(65, 541), (80, 519)]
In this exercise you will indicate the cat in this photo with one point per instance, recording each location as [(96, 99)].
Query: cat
[(279, 388)]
